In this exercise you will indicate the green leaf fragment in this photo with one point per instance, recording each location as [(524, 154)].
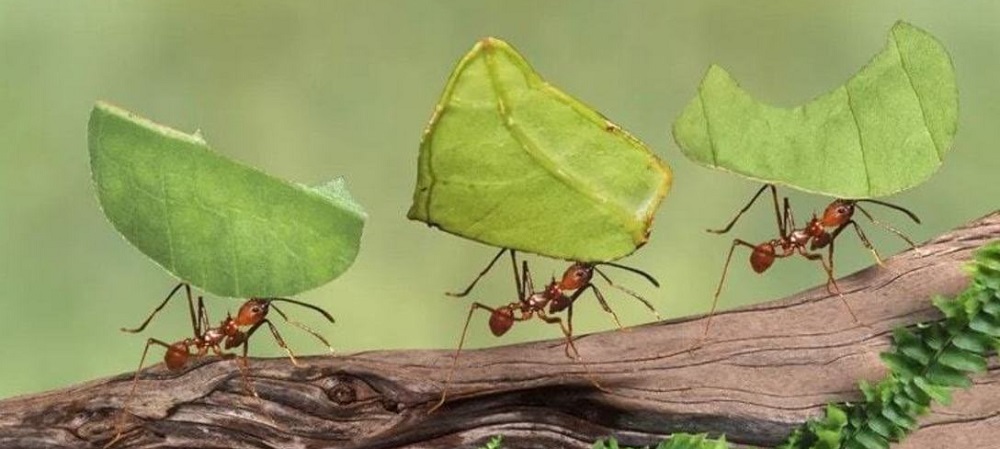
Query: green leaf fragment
[(224, 227), (986, 324), (963, 360), (971, 340), (886, 130), (511, 161), (893, 413), (943, 375), (871, 440), (936, 392), (900, 364)]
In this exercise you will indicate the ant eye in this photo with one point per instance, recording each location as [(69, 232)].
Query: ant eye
[(255, 309), (842, 210)]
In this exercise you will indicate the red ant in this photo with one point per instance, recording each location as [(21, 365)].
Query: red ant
[(227, 335), (815, 235), (577, 277), (543, 304)]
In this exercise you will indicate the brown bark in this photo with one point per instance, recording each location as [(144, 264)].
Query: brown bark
[(765, 370)]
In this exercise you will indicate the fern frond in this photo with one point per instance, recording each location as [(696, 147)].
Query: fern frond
[(676, 441), (494, 443), (925, 363)]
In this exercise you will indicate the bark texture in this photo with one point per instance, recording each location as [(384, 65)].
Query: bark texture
[(764, 370)]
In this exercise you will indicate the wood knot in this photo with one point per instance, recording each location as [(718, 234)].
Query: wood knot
[(342, 393)]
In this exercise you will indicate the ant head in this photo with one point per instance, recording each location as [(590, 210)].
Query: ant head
[(576, 276), (837, 213), (252, 312), (501, 320)]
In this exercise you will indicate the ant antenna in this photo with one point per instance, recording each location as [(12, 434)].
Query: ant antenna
[(306, 305), (887, 227), (302, 326), (644, 274), (630, 293), (891, 206)]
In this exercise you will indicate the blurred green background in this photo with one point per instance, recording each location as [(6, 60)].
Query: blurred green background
[(312, 90)]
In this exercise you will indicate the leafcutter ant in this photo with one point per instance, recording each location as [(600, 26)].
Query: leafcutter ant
[(558, 295), (218, 340), (818, 233), (577, 278)]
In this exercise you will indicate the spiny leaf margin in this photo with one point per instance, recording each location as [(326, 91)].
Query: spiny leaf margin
[(926, 363)]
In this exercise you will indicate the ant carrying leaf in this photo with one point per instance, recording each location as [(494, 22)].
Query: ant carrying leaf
[(557, 296), (807, 241), (227, 335)]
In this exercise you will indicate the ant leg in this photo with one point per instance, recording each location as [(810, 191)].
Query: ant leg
[(528, 284), (788, 219), (569, 342), (131, 393), (243, 364), (630, 293), (774, 193), (468, 289), (203, 321), (281, 341), (302, 326), (518, 281), (830, 278), (454, 361), (718, 290), (569, 325), (866, 242), (887, 227), (600, 300), (194, 323)]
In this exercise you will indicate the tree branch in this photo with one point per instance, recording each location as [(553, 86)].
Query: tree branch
[(764, 370)]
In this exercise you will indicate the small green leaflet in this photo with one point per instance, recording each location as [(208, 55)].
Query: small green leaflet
[(511, 161), (886, 130), (226, 228)]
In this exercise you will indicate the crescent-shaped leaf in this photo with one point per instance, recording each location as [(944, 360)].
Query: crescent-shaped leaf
[(222, 226), (887, 129), (511, 161)]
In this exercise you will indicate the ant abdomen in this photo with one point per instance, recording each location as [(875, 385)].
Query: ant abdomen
[(177, 356), (501, 321), (761, 258)]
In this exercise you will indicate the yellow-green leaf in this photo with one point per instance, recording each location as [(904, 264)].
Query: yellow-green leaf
[(511, 161)]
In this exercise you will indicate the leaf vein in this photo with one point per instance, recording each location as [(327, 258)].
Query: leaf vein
[(861, 143), (531, 149), (920, 101)]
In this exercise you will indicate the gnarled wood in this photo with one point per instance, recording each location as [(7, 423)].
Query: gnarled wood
[(765, 370)]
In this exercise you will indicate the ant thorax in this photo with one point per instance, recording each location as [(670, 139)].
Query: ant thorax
[(799, 237), (214, 335), (537, 300)]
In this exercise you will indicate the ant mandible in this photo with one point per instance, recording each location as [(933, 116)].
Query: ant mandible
[(542, 304), (805, 241), (227, 335)]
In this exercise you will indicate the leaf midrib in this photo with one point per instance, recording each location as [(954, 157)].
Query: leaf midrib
[(531, 148)]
